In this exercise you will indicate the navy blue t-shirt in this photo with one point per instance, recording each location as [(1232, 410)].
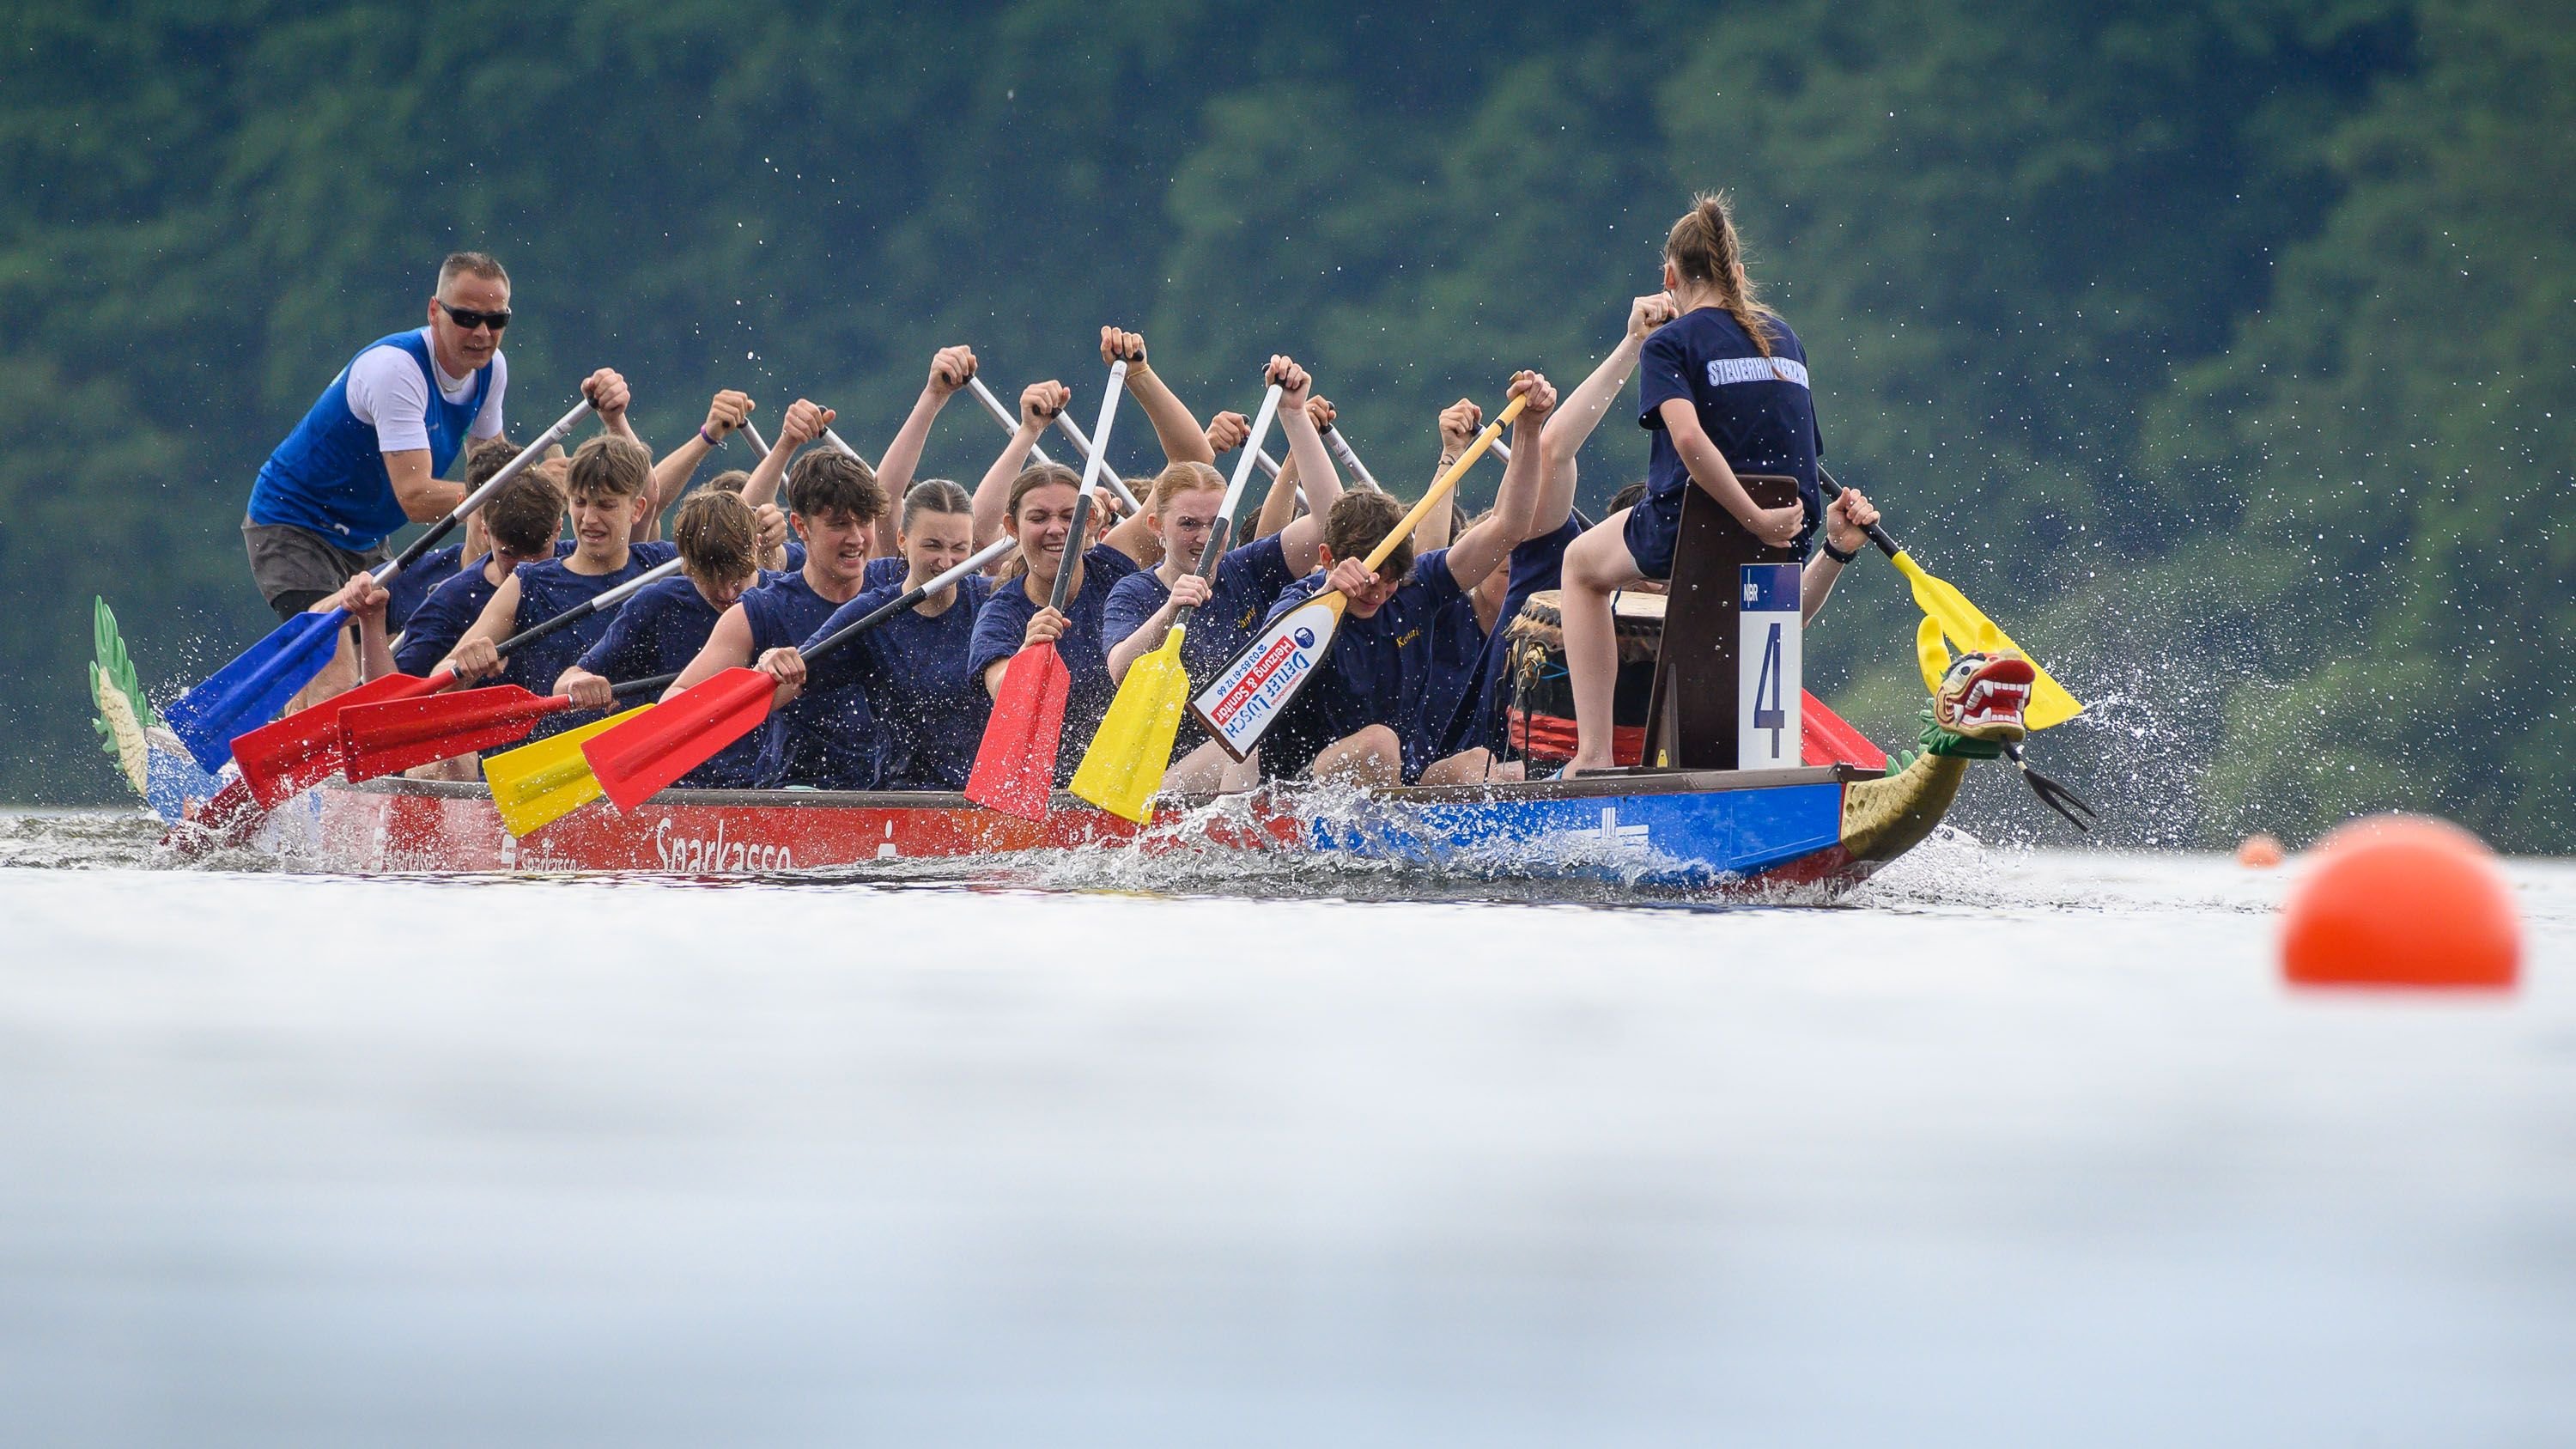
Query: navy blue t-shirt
[(1378, 671), (447, 613), (412, 585), (1758, 410), (1247, 580), (1004, 620), (549, 588), (826, 738), (658, 632), (929, 707)]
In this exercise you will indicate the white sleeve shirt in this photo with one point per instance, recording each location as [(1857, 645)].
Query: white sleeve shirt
[(386, 389)]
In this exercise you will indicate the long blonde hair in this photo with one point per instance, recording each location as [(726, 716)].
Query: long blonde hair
[(1704, 247)]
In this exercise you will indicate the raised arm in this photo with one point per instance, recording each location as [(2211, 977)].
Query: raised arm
[(671, 476), (1482, 549), (1458, 424), (950, 367), (805, 421), (1279, 505), (1182, 439), (1039, 403), (1583, 409), (1302, 417)]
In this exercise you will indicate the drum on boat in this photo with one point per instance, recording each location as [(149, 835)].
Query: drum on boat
[(1538, 707)]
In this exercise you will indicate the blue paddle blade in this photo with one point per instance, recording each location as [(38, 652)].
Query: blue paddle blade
[(248, 692)]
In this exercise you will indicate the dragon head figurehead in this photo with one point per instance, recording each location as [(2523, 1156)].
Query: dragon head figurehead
[(1981, 696)]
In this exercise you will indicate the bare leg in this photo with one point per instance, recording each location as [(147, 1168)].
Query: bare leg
[(1372, 757), (337, 677), (1595, 564), (1242, 775), (1470, 767), (1200, 772)]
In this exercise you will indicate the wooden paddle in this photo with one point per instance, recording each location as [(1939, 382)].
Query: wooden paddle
[(1015, 763), (1947, 610), (261, 679), (1124, 767), (646, 749), (385, 737), (1249, 693)]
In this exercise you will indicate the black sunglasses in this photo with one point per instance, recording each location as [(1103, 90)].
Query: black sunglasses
[(469, 319)]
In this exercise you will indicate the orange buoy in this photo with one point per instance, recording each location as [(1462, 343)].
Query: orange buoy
[(2402, 901), (2259, 852)]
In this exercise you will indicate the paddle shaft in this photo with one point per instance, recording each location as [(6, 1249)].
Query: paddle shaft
[(911, 597), (1447, 481), (605, 599), (1878, 534), (1010, 423), (1341, 447), (1096, 465), (429, 539), (1073, 550), (1213, 552)]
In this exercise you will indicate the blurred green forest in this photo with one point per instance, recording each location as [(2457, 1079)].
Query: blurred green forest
[(2218, 347)]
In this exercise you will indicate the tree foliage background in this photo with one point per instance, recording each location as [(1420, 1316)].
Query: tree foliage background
[(2225, 349)]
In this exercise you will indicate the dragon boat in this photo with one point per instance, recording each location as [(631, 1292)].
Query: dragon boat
[(1821, 824), (1734, 778)]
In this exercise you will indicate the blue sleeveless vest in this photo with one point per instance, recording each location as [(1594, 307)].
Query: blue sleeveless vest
[(329, 476)]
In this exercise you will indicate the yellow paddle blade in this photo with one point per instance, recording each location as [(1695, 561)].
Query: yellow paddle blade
[(536, 785), (1124, 766), (1973, 632), (1930, 654)]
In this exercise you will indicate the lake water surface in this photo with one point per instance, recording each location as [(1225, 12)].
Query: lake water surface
[(2012, 1148)]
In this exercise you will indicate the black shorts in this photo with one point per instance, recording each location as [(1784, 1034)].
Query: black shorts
[(297, 568)]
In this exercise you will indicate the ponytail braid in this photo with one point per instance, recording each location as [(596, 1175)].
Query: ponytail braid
[(1705, 247)]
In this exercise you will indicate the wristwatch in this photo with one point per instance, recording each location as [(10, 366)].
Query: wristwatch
[(1825, 541)]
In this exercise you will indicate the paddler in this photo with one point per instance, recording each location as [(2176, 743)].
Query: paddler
[(1037, 506), (1538, 561), (520, 522), (1360, 721), (368, 456), (928, 707), (610, 488), (1182, 512), (825, 740), (1724, 389)]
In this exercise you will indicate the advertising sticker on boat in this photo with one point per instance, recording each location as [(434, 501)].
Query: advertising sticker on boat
[(1768, 682)]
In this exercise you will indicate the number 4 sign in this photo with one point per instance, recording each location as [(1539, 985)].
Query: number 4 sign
[(1768, 681)]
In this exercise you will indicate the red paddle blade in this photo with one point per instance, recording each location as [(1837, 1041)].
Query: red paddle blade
[(284, 758), (1829, 739), (676, 736), (383, 739), (1015, 765)]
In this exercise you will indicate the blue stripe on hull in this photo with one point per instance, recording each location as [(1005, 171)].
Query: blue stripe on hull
[(1693, 839)]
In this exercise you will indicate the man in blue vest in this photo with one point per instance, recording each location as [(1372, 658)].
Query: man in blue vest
[(369, 456)]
